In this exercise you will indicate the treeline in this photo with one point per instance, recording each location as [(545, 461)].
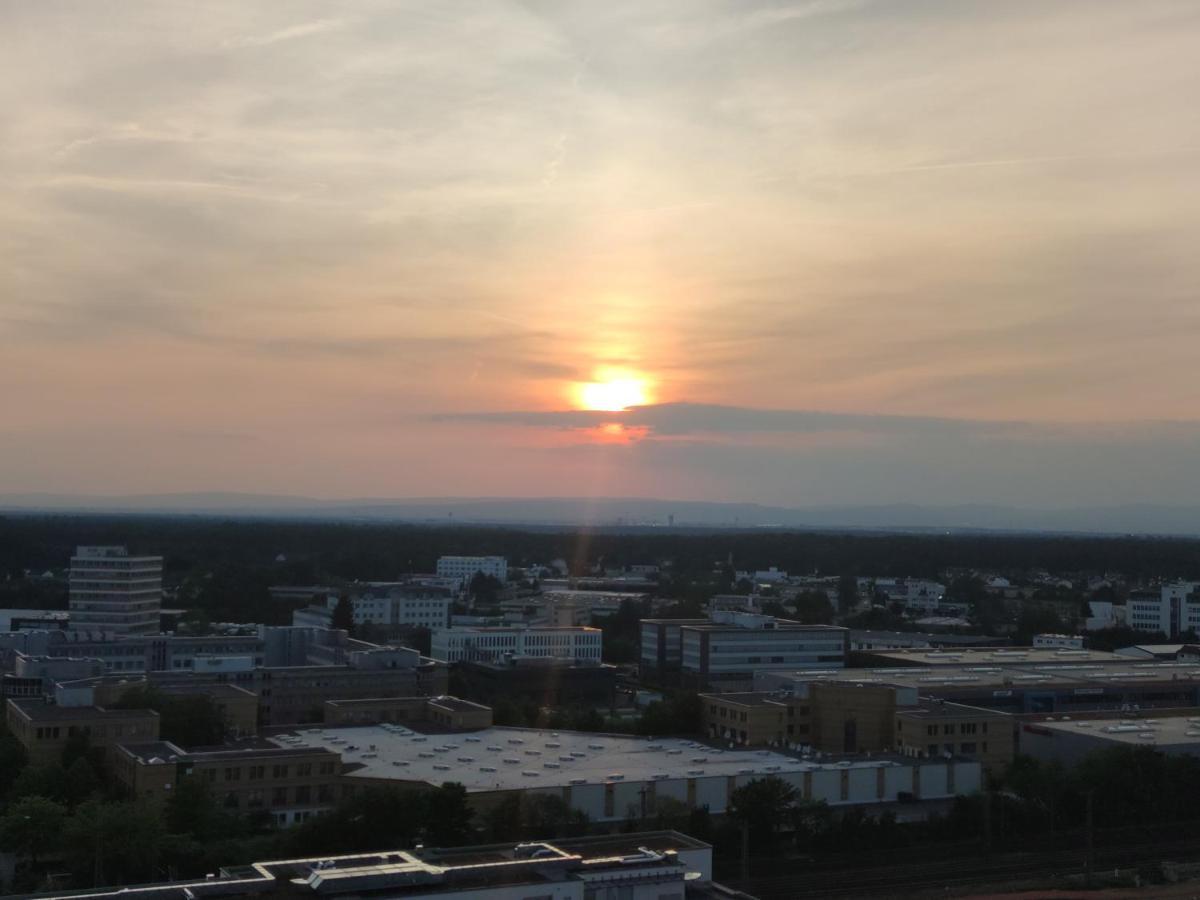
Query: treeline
[(383, 551)]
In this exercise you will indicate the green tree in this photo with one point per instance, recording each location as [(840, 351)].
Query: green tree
[(448, 816), (762, 805), (114, 843), (813, 608), (189, 720), (32, 825), (343, 614), (847, 594), (13, 760)]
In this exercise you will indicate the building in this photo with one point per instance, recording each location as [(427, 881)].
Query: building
[(542, 680), (1182, 652), (613, 777), (1053, 641), (985, 657), (1039, 684), (111, 591), (449, 713), (463, 568), (1171, 610), (33, 619), (658, 865), (724, 653), (848, 717), (1102, 614), (662, 648), (935, 727), (45, 729), (302, 594), (913, 593), (905, 640), (1070, 740), (289, 783), (289, 695), (574, 607), (497, 644), (406, 604)]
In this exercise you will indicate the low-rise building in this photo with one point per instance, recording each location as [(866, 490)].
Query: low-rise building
[(451, 713), (660, 865), (542, 680), (463, 568), (1052, 641), (935, 727), (45, 729), (492, 644), (1070, 740), (289, 783)]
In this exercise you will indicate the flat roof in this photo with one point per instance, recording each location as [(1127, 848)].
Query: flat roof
[(39, 711), (1174, 731), (1120, 670), (500, 758), (748, 698), (928, 708), (1000, 656)]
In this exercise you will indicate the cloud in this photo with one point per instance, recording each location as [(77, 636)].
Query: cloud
[(679, 419), (289, 33)]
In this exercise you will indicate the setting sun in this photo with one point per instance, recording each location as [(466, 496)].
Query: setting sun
[(612, 392)]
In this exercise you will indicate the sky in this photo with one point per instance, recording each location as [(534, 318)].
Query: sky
[(828, 252)]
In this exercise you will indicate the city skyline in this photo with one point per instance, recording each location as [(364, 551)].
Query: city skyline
[(834, 252)]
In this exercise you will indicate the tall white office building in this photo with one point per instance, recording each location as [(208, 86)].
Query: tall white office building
[(1173, 609), (114, 592)]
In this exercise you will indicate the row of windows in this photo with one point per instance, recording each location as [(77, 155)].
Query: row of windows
[(259, 772)]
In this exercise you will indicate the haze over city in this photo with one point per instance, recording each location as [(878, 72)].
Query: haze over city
[(811, 253)]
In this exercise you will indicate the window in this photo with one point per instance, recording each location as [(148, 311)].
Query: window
[(968, 747), (303, 794), (948, 729), (233, 774), (257, 772), (303, 770), (279, 771), (279, 796)]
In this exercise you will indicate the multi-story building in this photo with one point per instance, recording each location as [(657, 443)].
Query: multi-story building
[(541, 680), (847, 717), (662, 648), (44, 729), (914, 593), (413, 604), (289, 695), (1173, 609), (111, 591), (290, 783), (724, 653), (464, 568), (492, 644), (659, 865)]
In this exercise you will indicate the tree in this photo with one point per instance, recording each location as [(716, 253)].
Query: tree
[(847, 594), (32, 825), (762, 806), (448, 816), (114, 842), (189, 720), (343, 614), (813, 608), (13, 760)]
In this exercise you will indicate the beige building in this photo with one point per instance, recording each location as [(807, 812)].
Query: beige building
[(842, 718), (290, 784), (44, 729), (936, 728)]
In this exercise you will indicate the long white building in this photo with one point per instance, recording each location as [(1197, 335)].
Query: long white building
[(613, 777), (464, 568), (488, 644), (111, 591), (411, 603)]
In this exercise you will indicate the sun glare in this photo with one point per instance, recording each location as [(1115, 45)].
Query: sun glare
[(612, 392)]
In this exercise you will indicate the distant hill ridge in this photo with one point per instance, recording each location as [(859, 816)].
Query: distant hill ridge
[(634, 511)]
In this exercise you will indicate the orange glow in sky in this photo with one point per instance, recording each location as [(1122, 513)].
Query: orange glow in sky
[(612, 391)]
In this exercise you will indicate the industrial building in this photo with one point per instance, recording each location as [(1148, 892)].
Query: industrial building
[(1064, 684), (659, 865), (613, 777), (1069, 740)]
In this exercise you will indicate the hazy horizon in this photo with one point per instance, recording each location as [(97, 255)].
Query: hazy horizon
[(817, 253)]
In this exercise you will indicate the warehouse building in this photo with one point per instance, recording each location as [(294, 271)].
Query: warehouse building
[(611, 778), (1070, 740)]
